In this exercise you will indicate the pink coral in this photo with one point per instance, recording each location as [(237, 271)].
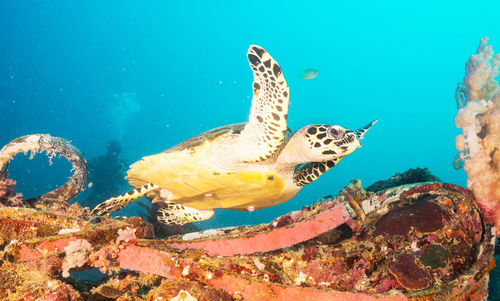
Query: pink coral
[(478, 100), (126, 234), (101, 261), (8, 197)]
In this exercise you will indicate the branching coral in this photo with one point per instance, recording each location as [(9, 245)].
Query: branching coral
[(8, 197), (478, 100)]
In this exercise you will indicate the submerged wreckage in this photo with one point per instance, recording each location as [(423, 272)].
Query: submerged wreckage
[(394, 240), (406, 242)]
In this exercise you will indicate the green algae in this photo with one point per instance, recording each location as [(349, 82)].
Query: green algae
[(435, 256)]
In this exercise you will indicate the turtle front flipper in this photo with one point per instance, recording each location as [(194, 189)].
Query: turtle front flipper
[(173, 213), (311, 171), (266, 129), (116, 203)]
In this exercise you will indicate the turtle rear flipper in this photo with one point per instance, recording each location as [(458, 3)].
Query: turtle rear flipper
[(173, 213), (266, 128), (116, 203)]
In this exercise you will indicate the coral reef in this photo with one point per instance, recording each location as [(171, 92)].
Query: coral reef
[(20, 281), (478, 101), (412, 175), (411, 242), (76, 255), (378, 256), (8, 196), (377, 260)]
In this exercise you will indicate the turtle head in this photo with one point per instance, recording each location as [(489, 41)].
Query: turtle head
[(328, 142), (321, 143)]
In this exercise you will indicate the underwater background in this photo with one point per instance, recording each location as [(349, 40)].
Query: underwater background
[(150, 75)]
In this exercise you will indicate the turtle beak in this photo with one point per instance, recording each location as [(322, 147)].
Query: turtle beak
[(361, 131)]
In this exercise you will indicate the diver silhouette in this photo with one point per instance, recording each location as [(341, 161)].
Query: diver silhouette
[(106, 175)]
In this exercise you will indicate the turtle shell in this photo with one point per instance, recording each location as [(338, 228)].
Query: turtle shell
[(207, 136), (184, 176)]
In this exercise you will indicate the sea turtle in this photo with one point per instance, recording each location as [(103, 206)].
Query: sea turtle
[(243, 166)]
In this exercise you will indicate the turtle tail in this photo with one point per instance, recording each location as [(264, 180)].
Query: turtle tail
[(118, 202)]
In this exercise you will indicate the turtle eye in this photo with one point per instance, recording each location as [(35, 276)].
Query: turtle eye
[(336, 133)]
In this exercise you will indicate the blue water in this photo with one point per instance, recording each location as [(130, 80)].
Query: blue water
[(152, 75)]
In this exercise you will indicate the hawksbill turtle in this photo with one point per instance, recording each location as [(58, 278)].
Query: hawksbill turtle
[(243, 166)]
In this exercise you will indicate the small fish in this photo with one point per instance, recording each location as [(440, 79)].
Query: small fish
[(309, 74)]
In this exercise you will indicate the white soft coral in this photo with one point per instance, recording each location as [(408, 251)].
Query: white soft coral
[(76, 255), (478, 100)]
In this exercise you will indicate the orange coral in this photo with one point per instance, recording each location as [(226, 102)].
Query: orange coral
[(478, 100)]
